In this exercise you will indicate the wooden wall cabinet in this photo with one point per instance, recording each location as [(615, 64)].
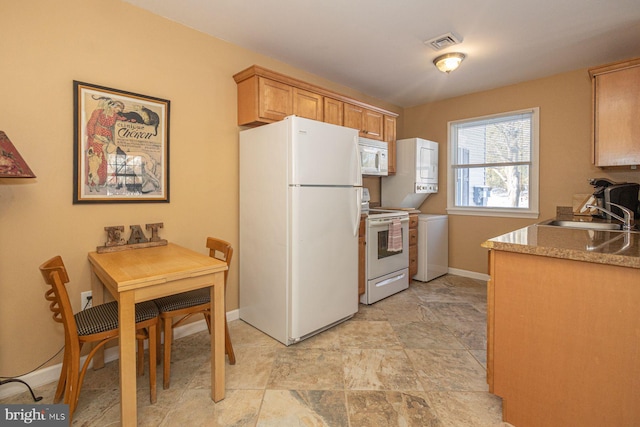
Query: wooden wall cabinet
[(616, 113), (265, 96), (390, 138), (333, 111), (369, 123), (308, 104), (264, 100)]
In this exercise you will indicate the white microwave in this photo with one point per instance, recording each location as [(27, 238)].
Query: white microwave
[(374, 157)]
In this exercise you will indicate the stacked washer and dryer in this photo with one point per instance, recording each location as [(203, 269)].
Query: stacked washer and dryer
[(415, 179)]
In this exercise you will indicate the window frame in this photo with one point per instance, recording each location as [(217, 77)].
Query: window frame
[(533, 210)]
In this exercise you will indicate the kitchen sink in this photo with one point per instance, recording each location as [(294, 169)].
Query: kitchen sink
[(587, 225)]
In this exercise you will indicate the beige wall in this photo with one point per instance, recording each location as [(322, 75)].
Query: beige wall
[(46, 45), (565, 153)]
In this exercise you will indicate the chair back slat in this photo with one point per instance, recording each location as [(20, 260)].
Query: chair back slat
[(50, 295), (221, 250), (55, 275)]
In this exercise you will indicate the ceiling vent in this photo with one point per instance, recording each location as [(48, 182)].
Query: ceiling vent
[(443, 41)]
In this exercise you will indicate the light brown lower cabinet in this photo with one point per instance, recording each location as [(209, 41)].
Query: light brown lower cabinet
[(362, 256), (563, 341), (413, 245)]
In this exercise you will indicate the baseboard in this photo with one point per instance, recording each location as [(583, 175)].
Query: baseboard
[(469, 274), (52, 373)]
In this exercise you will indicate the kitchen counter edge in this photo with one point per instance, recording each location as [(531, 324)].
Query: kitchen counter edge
[(565, 243)]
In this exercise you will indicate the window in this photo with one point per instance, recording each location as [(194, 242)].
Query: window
[(493, 165)]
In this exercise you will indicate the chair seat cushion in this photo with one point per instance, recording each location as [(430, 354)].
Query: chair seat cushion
[(104, 317), (183, 300)]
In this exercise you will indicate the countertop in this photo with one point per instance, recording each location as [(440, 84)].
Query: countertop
[(597, 246)]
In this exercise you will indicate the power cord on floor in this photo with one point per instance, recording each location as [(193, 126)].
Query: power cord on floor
[(5, 380), (16, 380)]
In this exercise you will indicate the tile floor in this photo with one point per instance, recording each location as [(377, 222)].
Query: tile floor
[(416, 358)]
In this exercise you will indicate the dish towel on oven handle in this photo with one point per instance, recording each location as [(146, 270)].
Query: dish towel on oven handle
[(394, 242)]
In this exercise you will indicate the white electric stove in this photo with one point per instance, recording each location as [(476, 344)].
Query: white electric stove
[(387, 270)]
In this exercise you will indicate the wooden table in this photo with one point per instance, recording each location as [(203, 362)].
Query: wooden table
[(137, 275)]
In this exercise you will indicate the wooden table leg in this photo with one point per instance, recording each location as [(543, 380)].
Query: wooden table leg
[(217, 338), (126, 319), (97, 293)]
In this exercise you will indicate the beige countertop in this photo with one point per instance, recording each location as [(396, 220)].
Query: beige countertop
[(597, 246)]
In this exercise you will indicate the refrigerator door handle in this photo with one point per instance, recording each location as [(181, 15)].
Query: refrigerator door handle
[(356, 224), (356, 147)]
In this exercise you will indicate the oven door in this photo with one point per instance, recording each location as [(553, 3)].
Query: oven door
[(380, 260)]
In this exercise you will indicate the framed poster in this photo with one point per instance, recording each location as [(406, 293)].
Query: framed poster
[(121, 146)]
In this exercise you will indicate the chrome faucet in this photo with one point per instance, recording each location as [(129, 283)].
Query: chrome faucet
[(628, 220)]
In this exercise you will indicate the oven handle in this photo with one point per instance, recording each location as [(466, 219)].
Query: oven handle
[(383, 221), (390, 280)]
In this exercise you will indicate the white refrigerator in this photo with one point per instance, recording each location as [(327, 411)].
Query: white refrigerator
[(300, 200)]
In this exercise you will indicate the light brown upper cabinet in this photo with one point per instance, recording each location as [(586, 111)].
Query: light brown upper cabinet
[(265, 100), (308, 104), (390, 138), (265, 96), (369, 123), (333, 111), (262, 100), (616, 113)]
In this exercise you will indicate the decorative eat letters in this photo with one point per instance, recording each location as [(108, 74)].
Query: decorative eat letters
[(137, 239)]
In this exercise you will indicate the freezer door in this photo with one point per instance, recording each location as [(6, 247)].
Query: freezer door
[(323, 154), (324, 258)]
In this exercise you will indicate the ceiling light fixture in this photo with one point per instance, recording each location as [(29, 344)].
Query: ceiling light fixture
[(449, 61)]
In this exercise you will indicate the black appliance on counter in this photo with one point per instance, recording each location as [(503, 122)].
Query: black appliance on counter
[(621, 193)]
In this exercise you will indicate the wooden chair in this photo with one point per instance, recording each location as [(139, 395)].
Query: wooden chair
[(98, 325), (186, 304)]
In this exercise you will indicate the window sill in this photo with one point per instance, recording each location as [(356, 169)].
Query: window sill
[(497, 212)]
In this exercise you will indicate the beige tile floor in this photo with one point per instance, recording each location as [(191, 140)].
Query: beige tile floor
[(416, 358)]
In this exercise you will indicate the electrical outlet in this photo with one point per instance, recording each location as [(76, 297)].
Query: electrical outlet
[(85, 300)]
